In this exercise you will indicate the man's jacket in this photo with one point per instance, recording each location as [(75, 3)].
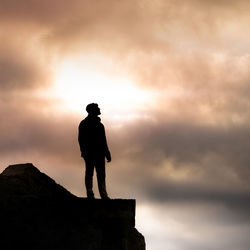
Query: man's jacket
[(92, 138)]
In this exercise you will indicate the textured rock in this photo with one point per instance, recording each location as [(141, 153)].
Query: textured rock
[(37, 213)]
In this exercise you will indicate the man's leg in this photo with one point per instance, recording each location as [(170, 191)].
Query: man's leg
[(89, 171), (100, 171)]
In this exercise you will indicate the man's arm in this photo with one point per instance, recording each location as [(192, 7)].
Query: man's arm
[(81, 139), (107, 152), (108, 156)]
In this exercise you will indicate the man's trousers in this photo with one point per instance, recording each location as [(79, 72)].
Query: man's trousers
[(99, 165)]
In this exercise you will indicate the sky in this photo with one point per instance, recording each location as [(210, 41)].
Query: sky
[(172, 80)]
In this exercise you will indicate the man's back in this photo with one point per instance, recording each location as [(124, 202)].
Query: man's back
[(92, 137)]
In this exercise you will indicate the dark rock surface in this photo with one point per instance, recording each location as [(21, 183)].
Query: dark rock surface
[(37, 213)]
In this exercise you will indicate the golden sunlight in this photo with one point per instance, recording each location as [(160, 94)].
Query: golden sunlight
[(77, 85)]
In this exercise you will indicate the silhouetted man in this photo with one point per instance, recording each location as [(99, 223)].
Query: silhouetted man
[(94, 149)]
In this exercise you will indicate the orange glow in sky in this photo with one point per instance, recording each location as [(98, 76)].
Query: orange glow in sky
[(76, 86)]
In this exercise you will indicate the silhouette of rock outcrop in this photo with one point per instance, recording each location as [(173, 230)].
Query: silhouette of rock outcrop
[(37, 213)]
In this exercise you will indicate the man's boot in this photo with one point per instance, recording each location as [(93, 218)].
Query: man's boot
[(89, 188), (102, 189)]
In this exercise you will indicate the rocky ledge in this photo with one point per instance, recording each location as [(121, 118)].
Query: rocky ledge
[(37, 213)]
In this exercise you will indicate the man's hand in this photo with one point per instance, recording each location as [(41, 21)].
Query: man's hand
[(108, 159), (108, 156)]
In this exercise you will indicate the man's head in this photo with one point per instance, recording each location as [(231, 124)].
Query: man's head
[(93, 109)]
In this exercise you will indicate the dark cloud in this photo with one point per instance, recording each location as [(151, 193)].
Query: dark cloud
[(127, 26), (18, 72), (24, 64), (187, 141), (236, 200), (28, 128)]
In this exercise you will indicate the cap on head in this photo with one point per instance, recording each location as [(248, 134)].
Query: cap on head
[(92, 107)]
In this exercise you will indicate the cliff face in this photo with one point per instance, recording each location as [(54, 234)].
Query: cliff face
[(37, 213)]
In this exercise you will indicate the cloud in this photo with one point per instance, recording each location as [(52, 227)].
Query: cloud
[(19, 72), (24, 63), (31, 128), (188, 226), (128, 26), (176, 192)]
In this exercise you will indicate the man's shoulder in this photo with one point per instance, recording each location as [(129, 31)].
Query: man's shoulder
[(82, 123)]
